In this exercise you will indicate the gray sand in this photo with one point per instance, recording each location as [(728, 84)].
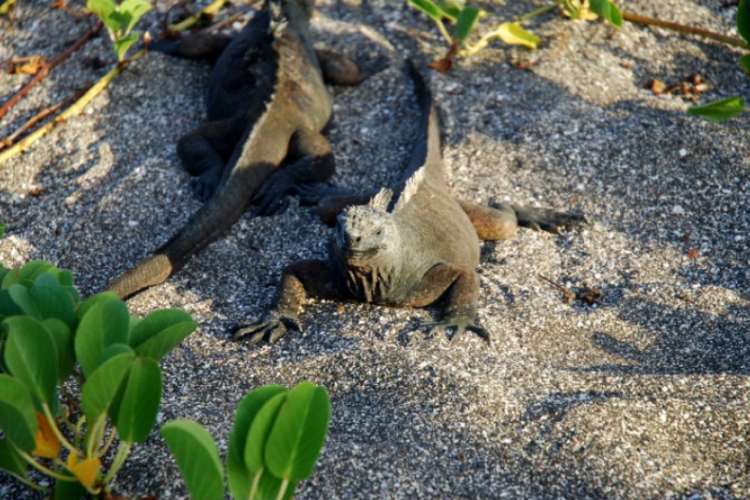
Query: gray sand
[(642, 396)]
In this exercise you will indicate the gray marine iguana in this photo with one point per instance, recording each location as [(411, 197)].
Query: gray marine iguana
[(267, 105), (406, 247)]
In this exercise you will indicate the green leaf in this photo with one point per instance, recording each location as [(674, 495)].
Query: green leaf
[(92, 301), (17, 413), (140, 401), (239, 476), (21, 296), (101, 387), (198, 458), (69, 490), (514, 34), (136, 9), (35, 268), (745, 64), (719, 110), (103, 9), (743, 19), (114, 350), (63, 338), (428, 7), (2, 228), (607, 10), (51, 299), (451, 8), (260, 429), (104, 324), (123, 43), (11, 277), (299, 432), (8, 307), (11, 460), (466, 22), (31, 355), (160, 332)]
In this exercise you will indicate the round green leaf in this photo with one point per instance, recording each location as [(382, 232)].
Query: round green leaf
[(51, 299), (8, 307), (11, 277), (31, 356), (84, 307), (299, 432), (160, 332), (198, 458), (257, 436), (239, 476), (35, 268), (719, 110), (21, 296), (101, 387), (140, 401), (104, 324), (17, 414), (63, 338), (607, 10)]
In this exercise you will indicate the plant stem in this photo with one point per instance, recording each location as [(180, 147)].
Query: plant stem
[(6, 6), (254, 488), (443, 31), (681, 28), (122, 453), (539, 11), (56, 430), (282, 490), (209, 10), (40, 467), (29, 483), (107, 444)]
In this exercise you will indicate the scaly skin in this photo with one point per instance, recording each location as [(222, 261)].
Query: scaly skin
[(267, 104), (411, 252)]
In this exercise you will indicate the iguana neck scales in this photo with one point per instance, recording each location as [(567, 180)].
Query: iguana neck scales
[(407, 249), (267, 105)]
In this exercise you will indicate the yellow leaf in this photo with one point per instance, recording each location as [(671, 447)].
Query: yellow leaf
[(514, 34), (86, 472), (47, 444)]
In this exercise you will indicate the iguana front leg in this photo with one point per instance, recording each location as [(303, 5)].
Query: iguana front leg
[(309, 160), (204, 152), (500, 223), (459, 288), (298, 280)]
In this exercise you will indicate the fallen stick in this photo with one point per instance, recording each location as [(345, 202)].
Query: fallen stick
[(47, 67)]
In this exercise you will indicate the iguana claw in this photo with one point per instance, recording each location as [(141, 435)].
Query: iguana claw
[(271, 197), (540, 219), (459, 326), (271, 327)]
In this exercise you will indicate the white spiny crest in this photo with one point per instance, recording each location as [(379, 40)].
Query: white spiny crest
[(278, 21), (410, 189), (381, 200)]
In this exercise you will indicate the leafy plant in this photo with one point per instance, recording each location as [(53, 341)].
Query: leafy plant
[(120, 21), (50, 339), (274, 444), (729, 108)]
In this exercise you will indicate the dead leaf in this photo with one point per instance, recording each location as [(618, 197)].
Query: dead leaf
[(445, 64)]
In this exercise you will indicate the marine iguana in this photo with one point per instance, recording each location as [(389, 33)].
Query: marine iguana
[(267, 105), (407, 247)]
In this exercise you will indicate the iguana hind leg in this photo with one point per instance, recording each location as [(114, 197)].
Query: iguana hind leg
[(204, 152), (458, 286), (339, 69), (500, 223), (309, 160), (306, 277)]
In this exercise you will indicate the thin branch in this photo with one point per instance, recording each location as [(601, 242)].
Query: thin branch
[(681, 28), (6, 142), (47, 67), (209, 10)]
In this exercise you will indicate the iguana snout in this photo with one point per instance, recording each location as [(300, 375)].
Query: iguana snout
[(362, 232)]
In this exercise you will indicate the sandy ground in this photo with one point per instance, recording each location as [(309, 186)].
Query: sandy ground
[(642, 396)]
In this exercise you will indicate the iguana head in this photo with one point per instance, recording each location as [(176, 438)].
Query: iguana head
[(364, 236)]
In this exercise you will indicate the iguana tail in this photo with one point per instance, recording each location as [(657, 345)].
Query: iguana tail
[(212, 220)]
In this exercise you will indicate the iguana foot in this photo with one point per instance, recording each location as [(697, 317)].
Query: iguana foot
[(542, 219), (312, 194), (204, 186), (459, 326), (272, 197), (271, 327)]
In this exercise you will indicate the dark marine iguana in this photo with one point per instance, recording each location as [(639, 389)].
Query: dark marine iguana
[(267, 104), (407, 247)]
